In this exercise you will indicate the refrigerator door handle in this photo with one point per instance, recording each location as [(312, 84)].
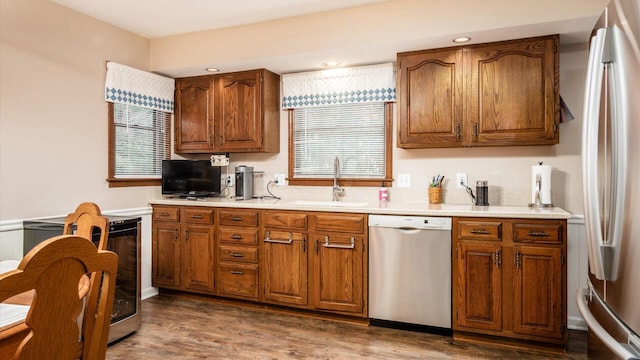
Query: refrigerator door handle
[(593, 93), (629, 351)]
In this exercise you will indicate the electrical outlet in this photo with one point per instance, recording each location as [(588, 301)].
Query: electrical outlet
[(279, 179), (461, 178), (220, 160), (404, 180), (227, 180)]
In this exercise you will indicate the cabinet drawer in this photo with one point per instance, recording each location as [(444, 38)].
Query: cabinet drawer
[(238, 217), (238, 280), (286, 220), (548, 233), (197, 215), (166, 214), (243, 236), (247, 254), (353, 223), (480, 230)]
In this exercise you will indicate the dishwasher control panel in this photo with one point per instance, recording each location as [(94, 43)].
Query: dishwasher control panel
[(410, 222)]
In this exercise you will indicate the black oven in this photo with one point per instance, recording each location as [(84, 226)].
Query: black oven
[(124, 240)]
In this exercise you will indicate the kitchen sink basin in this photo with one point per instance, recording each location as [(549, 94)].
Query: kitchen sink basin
[(327, 203)]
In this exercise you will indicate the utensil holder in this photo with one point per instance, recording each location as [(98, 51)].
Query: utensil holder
[(435, 195)]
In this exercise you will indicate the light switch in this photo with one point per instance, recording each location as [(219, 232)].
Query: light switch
[(404, 180)]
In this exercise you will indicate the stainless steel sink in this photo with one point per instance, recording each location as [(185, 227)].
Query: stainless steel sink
[(326, 203)]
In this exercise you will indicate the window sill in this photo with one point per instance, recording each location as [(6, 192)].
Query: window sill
[(133, 182), (341, 182)]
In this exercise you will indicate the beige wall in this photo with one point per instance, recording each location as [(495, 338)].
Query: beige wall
[(53, 117), (53, 120)]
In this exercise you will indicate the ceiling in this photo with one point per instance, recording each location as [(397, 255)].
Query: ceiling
[(409, 25), (174, 17)]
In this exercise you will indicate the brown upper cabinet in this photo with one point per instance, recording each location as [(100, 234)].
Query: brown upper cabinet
[(494, 94), (234, 112), (194, 115)]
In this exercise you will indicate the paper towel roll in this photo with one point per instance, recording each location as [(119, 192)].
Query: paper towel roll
[(545, 189)]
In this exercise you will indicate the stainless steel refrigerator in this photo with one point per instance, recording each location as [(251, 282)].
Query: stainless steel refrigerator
[(611, 181)]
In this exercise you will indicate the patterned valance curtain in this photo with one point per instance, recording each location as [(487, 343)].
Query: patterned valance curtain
[(126, 85), (373, 83)]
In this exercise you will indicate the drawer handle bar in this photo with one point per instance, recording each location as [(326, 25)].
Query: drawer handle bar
[(537, 233), (267, 238), (327, 244), (196, 216), (236, 218), (236, 272), (479, 231), (236, 237), (238, 255), (164, 214)]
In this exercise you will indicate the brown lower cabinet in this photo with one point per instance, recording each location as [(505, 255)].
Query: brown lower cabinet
[(182, 243), (509, 279), (305, 260), (237, 269), (315, 261)]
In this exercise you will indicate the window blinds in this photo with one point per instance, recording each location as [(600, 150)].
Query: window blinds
[(141, 141), (355, 133)]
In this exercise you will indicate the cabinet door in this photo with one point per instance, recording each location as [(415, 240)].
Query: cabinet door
[(285, 267), (479, 286), (166, 254), (430, 99), (238, 124), (538, 285), (338, 272), (198, 258), (513, 93), (194, 115)]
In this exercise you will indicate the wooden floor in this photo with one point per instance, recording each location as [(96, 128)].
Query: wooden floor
[(178, 327)]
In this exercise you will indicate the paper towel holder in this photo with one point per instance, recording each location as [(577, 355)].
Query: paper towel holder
[(538, 204)]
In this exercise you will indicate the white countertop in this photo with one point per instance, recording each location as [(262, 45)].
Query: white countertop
[(376, 207)]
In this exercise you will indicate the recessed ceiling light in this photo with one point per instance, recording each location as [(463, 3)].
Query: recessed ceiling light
[(330, 64), (463, 39), (212, 69)]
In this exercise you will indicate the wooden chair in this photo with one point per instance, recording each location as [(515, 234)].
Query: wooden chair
[(53, 269), (87, 217)]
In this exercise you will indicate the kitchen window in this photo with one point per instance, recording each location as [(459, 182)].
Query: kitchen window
[(140, 108), (344, 113), (139, 139), (358, 134)]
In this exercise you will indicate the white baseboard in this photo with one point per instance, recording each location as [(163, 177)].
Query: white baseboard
[(576, 323), (149, 292)]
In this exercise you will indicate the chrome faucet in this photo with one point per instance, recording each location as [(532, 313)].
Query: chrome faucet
[(337, 190)]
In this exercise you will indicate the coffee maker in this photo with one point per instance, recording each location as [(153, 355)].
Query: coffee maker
[(244, 182)]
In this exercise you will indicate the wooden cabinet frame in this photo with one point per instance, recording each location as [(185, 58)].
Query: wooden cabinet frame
[(509, 279), (495, 94)]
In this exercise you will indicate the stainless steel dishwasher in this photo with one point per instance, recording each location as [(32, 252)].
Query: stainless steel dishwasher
[(410, 271)]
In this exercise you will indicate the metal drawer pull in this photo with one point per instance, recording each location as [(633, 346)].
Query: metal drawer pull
[(537, 233), (236, 218), (327, 244), (267, 238), (164, 214), (236, 237), (479, 231), (196, 216), (238, 255), (236, 272)]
